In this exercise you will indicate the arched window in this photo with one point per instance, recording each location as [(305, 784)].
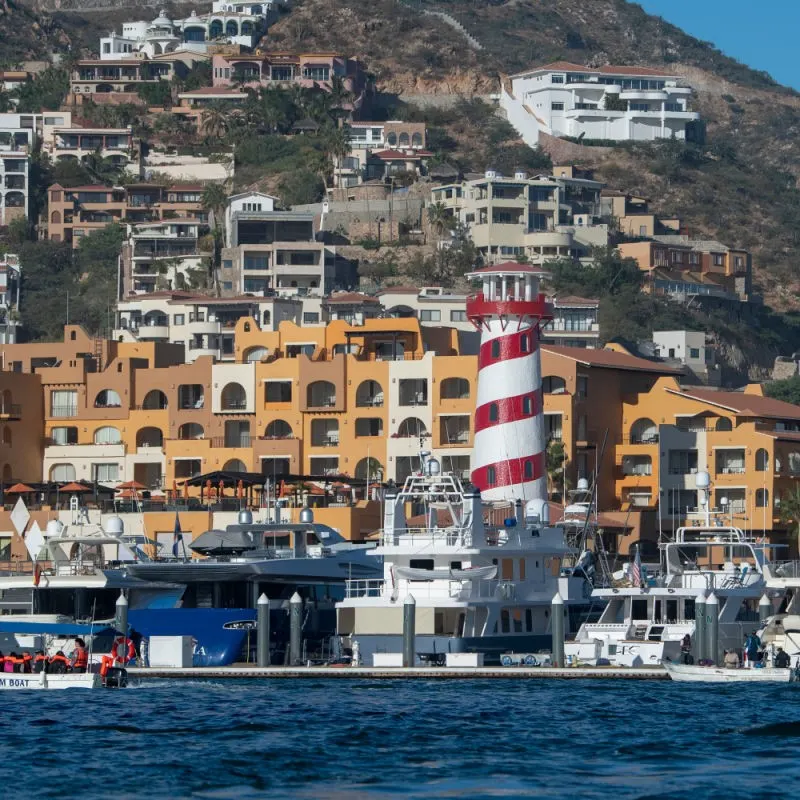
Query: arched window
[(215, 30), (321, 394), (493, 412), (454, 389), (7, 474), (762, 460), (55, 218), (369, 469), (154, 399), (7, 435), (762, 498), (724, 424), (255, 354), (644, 431), (416, 140), (411, 427), (234, 465), (62, 473), (231, 28), (247, 28), (149, 437), (552, 384), (234, 397), (191, 430), (267, 316), (392, 139), (369, 395), (107, 398), (107, 435), (6, 401), (404, 140), (278, 429)]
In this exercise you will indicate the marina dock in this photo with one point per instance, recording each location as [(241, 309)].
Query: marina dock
[(245, 672)]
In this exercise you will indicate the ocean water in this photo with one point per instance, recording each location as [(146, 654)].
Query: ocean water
[(410, 739)]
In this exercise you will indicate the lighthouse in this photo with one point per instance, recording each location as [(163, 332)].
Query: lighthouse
[(509, 453)]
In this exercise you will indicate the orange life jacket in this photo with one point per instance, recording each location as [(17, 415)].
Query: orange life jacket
[(81, 658)]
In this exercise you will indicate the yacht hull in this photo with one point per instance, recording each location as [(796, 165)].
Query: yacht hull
[(12, 682), (693, 674)]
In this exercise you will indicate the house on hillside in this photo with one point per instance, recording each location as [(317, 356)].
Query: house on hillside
[(616, 103)]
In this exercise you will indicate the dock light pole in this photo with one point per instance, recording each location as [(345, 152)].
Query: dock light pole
[(295, 628), (263, 631), (557, 627), (712, 630), (700, 628), (409, 630), (121, 615), (764, 608)]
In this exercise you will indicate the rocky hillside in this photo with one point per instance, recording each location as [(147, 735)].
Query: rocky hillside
[(26, 35)]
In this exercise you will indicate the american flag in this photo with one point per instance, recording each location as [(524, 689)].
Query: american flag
[(636, 569)]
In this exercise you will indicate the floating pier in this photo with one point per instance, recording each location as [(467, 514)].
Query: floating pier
[(245, 672)]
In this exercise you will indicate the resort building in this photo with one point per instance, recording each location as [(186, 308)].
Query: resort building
[(125, 75), (321, 406), (14, 185), (10, 280), (542, 218), (77, 211), (609, 103)]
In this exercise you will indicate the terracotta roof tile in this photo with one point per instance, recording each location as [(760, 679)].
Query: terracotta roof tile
[(351, 297), (610, 359), (744, 404)]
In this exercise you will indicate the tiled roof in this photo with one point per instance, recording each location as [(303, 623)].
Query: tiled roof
[(399, 290), (610, 359), (742, 403), (351, 297), (571, 300), (394, 155)]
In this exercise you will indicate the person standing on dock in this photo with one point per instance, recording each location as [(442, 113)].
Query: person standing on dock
[(751, 646), (731, 660)]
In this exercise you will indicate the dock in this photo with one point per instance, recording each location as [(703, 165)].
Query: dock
[(245, 672)]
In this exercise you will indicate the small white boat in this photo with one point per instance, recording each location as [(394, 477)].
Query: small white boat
[(71, 680), (690, 673)]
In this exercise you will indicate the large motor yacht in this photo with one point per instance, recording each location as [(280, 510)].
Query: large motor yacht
[(648, 614), (483, 576)]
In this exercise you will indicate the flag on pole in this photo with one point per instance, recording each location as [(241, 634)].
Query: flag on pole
[(636, 569), (177, 537)]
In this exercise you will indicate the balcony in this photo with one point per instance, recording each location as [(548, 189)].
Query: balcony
[(11, 411)]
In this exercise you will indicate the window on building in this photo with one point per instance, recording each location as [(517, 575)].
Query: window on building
[(64, 436), (179, 319), (61, 473), (105, 472), (556, 79), (278, 392), (491, 476), (63, 403), (458, 316), (694, 352), (430, 315), (719, 259), (556, 106), (495, 348), (493, 413), (310, 318), (227, 285), (227, 263)]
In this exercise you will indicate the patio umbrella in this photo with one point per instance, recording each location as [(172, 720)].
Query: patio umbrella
[(19, 488), (240, 489), (135, 485), (221, 488), (127, 494), (74, 488)]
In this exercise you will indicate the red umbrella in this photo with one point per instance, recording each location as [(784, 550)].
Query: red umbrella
[(19, 488), (135, 485), (74, 488)]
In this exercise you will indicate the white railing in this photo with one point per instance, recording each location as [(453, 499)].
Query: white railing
[(363, 588), (433, 590), (449, 537)]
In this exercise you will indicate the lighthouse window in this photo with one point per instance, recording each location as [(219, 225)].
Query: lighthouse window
[(493, 413), (523, 343), (496, 349), (528, 469), (527, 405), (491, 476)]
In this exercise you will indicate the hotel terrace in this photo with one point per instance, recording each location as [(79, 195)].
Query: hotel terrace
[(318, 407)]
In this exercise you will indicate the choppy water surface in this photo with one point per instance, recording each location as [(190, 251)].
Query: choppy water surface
[(417, 739)]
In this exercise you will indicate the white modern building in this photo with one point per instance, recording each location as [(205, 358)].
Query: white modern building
[(691, 349), (230, 22), (616, 103), (14, 185)]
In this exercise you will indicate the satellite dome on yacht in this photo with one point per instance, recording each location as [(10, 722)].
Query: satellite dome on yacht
[(114, 526)]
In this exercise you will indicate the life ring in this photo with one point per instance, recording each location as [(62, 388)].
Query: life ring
[(121, 642)]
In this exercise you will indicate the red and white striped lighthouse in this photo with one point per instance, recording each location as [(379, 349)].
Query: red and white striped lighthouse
[(509, 453)]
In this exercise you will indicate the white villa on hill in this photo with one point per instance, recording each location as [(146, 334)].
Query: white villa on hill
[(616, 103)]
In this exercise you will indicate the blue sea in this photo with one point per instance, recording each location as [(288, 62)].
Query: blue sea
[(410, 739)]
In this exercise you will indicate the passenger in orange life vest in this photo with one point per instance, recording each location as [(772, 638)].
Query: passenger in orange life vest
[(80, 656), (40, 661), (59, 663), (10, 662), (27, 662)]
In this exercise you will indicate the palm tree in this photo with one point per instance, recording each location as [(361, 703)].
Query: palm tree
[(790, 509), (555, 465), (215, 120), (336, 142), (214, 200), (440, 218)]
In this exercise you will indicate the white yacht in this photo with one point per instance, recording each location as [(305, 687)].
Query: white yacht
[(483, 576), (647, 616)]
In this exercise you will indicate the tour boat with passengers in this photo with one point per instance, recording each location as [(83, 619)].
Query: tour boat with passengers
[(647, 615), (483, 576)]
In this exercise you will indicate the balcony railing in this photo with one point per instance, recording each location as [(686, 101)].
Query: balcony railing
[(242, 440), (64, 411), (10, 411)]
